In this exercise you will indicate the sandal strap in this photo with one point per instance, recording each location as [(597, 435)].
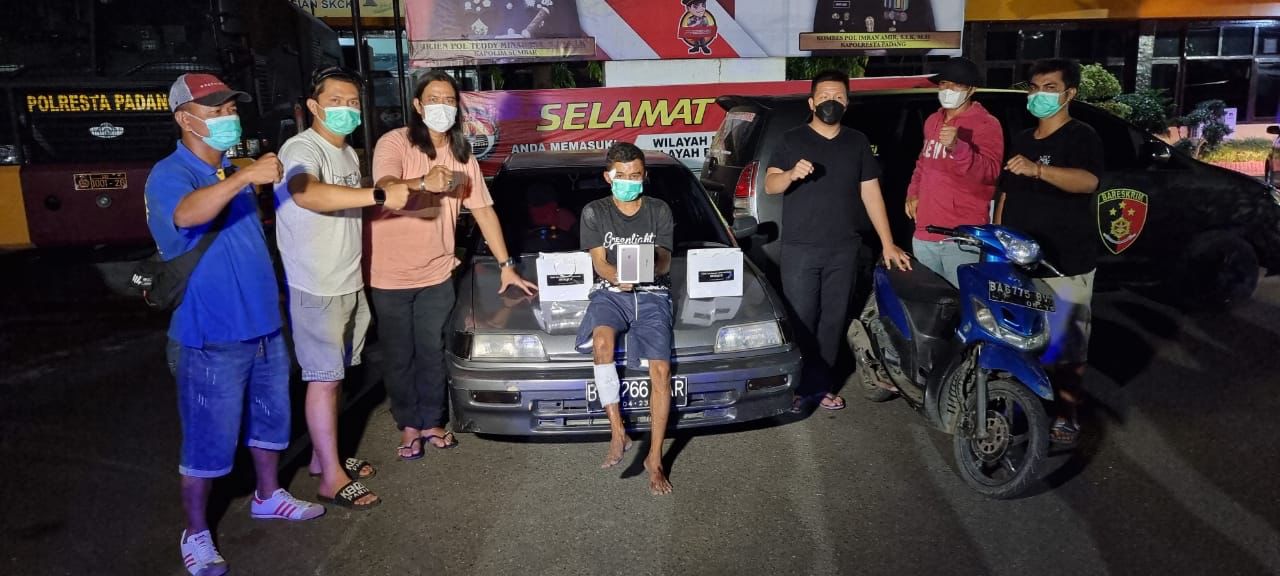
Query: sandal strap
[(353, 491), (355, 465)]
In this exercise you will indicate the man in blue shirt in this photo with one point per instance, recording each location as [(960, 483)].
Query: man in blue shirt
[(225, 344)]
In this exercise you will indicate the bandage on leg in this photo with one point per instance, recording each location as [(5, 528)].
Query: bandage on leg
[(607, 384)]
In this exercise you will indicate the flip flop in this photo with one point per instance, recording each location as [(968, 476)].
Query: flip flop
[(1064, 433), (837, 403), (353, 466), (446, 438), (347, 496), (416, 442)]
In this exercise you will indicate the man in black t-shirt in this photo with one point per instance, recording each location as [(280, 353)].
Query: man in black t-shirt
[(641, 311), (831, 181), (1047, 192)]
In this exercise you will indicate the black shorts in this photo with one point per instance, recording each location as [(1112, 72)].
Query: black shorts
[(643, 316)]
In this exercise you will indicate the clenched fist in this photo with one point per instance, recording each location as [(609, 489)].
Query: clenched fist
[(800, 171), (947, 136), (264, 170), (1021, 166), (440, 179), (397, 196)]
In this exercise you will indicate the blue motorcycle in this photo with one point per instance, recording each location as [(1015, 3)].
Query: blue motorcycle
[(948, 351)]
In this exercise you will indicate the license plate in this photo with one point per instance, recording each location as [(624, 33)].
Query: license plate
[(1004, 293), (637, 394)]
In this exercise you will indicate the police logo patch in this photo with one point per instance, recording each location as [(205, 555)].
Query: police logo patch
[(1122, 214)]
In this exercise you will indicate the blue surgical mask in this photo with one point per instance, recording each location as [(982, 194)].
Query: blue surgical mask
[(627, 190), (1044, 104), (341, 120), (224, 132)]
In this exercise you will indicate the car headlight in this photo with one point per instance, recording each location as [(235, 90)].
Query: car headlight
[(507, 347), (1020, 251), (749, 337), (987, 321)]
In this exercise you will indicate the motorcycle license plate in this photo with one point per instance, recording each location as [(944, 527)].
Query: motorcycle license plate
[(637, 394), (1006, 294)]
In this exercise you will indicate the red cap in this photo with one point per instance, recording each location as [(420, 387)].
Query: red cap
[(203, 89)]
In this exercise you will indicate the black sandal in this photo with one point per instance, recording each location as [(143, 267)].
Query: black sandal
[(347, 496), (353, 466)]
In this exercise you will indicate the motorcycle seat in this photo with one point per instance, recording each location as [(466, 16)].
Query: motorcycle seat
[(922, 285)]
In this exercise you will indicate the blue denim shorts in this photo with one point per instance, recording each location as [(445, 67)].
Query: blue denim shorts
[(215, 385), (644, 317)]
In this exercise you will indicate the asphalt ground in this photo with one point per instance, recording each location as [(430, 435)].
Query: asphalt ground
[(1176, 473)]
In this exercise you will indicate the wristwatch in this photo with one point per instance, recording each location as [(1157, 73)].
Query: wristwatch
[(508, 263), (379, 196)]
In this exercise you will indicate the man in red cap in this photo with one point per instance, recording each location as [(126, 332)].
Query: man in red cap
[(225, 345)]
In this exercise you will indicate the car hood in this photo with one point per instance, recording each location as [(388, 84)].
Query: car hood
[(695, 321)]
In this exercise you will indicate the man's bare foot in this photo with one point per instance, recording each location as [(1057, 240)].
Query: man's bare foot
[(658, 483), (617, 446)]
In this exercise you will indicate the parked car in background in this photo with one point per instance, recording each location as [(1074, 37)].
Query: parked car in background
[(512, 365), (1165, 220)]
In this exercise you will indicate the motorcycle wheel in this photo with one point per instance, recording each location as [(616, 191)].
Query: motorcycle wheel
[(1004, 464)]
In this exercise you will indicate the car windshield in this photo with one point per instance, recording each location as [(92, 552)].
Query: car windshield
[(539, 208)]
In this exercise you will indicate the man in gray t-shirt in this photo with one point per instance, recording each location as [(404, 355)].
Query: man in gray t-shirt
[(319, 206), (643, 312)]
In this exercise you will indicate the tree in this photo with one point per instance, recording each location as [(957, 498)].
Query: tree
[(1207, 127), (1149, 109), (807, 68), (1098, 85)]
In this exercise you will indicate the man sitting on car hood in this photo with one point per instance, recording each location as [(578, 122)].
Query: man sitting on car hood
[(642, 311)]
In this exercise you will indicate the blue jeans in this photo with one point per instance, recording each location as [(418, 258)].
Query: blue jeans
[(214, 384), (943, 257)]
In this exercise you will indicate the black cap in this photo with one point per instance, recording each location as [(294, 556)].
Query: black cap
[(959, 70)]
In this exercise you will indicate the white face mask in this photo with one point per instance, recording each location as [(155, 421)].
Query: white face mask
[(439, 117), (952, 99)]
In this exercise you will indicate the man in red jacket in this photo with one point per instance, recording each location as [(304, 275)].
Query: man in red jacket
[(955, 177)]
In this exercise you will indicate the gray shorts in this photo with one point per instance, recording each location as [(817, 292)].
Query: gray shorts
[(328, 333), (1072, 321)]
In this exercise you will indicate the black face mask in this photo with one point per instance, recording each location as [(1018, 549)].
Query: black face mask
[(830, 112)]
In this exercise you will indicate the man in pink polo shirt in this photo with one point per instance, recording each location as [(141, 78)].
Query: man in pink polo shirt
[(955, 176)]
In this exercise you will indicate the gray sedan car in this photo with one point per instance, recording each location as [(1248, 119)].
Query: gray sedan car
[(513, 367)]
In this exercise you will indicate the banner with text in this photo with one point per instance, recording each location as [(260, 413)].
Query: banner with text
[(679, 120), (342, 8), (452, 32)]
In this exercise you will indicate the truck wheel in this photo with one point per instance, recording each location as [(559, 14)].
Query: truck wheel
[(1218, 270), (1005, 463)]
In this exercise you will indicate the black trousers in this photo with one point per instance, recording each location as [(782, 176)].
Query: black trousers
[(411, 325), (818, 282)]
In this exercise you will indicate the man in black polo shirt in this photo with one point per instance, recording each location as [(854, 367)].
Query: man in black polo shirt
[(830, 178), (1047, 192)]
